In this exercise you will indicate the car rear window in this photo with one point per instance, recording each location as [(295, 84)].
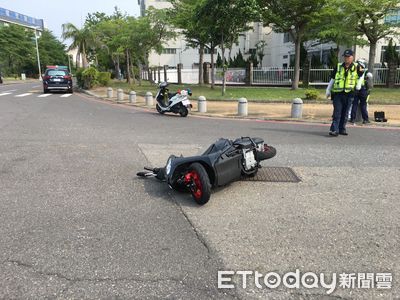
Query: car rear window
[(57, 73)]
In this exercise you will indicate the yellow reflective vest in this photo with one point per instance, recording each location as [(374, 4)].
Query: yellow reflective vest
[(345, 83)]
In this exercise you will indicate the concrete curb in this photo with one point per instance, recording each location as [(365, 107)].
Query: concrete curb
[(222, 116)]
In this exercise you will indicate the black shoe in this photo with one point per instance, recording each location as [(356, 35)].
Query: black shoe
[(333, 133), (343, 132), (366, 122)]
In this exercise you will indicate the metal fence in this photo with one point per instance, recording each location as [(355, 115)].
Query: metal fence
[(232, 76), (319, 76), (190, 76), (397, 82), (273, 76), (263, 76)]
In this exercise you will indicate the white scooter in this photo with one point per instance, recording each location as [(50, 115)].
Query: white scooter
[(177, 103)]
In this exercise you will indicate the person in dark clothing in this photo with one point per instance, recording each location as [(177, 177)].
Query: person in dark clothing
[(362, 93), (343, 82)]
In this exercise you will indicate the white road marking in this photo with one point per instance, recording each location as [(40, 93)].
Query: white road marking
[(66, 95), (23, 95), (44, 95), (5, 94)]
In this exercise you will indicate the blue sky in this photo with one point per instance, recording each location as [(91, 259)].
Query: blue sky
[(56, 12)]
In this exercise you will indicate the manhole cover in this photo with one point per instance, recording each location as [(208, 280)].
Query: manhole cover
[(274, 174)]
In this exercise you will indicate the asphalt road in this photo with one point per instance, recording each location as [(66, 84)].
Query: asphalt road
[(76, 223)]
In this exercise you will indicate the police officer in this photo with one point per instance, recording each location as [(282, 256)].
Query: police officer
[(362, 93), (343, 82)]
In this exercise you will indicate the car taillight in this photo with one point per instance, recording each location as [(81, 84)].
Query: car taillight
[(46, 77), (67, 77)]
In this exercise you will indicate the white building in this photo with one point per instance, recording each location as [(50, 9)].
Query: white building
[(278, 48)]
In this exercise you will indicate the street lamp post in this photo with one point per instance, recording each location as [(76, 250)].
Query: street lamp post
[(38, 56)]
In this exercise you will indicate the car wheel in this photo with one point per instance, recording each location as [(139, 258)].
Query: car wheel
[(45, 91)]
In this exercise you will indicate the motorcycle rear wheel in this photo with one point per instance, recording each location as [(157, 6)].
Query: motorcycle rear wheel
[(183, 111), (201, 187)]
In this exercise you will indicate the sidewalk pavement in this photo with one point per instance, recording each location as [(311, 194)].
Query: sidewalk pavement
[(7, 81), (312, 112)]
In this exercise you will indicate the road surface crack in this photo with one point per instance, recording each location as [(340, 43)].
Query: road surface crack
[(34, 269)]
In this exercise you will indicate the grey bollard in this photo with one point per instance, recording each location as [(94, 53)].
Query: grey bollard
[(242, 107), (109, 92), (297, 108), (120, 95), (202, 104), (149, 99), (132, 97)]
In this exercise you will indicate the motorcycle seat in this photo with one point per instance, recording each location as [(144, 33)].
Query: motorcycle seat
[(218, 146), (245, 143)]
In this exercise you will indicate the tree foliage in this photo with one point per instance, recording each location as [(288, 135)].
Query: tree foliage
[(295, 18), (18, 51)]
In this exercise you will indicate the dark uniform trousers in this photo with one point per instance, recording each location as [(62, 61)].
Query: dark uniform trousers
[(341, 106)]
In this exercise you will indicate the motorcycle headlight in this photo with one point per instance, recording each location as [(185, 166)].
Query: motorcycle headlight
[(168, 167)]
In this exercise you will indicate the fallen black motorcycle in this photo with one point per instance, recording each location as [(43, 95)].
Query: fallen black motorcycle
[(223, 162)]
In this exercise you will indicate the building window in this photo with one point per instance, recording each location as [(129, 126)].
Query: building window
[(285, 57), (393, 18), (169, 51), (384, 50), (253, 51), (208, 51), (3, 12), (286, 38)]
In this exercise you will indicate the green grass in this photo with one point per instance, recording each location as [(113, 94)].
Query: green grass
[(267, 94)]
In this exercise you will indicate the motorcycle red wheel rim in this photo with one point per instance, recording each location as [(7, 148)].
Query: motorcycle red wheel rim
[(194, 177)]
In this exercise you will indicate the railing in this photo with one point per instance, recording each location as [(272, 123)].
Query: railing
[(273, 76), (190, 76), (319, 76), (232, 76), (263, 76), (380, 76)]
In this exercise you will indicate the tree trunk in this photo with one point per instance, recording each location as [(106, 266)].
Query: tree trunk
[(391, 77), (84, 57), (296, 79), (132, 71), (371, 61), (140, 73), (117, 69), (212, 68), (201, 60), (128, 69), (223, 66)]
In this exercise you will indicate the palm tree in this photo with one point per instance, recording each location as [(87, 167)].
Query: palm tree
[(82, 39)]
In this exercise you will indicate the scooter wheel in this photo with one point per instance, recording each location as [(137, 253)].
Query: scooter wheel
[(183, 111), (159, 109), (200, 183)]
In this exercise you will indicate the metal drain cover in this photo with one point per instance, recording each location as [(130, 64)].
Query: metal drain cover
[(274, 174)]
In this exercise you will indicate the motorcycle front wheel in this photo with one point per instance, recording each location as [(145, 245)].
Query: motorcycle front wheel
[(159, 109), (183, 111), (199, 183)]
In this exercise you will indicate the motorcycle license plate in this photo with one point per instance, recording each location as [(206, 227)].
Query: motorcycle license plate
[(186, 102)]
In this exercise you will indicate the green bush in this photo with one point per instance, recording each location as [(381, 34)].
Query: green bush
[(89, 77), (79, 77), (311, 94), (104, 78)]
